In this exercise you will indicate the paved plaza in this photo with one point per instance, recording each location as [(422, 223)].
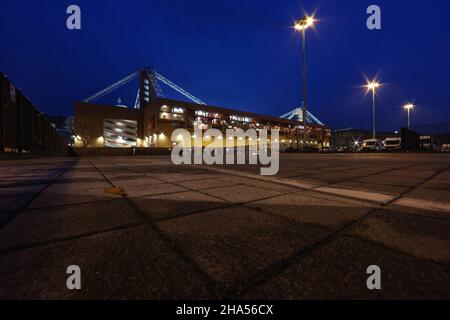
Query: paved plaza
[(225, 232)]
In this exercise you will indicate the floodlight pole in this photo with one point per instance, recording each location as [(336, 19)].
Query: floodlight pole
[(374, 115)]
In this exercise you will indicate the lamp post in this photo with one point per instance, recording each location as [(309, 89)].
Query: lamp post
[(373, 86), (302, 25), (408, 108)]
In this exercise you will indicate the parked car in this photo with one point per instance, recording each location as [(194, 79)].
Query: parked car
[(392, 144), (372, 145), (328, 150)]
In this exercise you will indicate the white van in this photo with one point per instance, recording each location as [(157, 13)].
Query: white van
[(372, 145), (393, 144)]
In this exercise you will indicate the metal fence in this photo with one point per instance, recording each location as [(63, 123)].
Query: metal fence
[(23, 129), (433, 137)]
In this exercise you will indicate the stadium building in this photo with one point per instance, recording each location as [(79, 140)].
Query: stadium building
[(151, 123)]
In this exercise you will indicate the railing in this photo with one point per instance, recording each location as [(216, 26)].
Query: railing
[(23, 129)]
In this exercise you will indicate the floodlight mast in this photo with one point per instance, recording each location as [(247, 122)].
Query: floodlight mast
[(149, 89)]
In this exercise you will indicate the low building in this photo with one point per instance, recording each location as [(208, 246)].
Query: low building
[(352, 138), (100, 126), (433, 137)]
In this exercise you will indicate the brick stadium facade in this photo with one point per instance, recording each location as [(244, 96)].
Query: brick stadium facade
[(101, 126)]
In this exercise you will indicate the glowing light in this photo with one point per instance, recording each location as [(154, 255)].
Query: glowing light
[(304, 23), (409, 106), (373, 85)]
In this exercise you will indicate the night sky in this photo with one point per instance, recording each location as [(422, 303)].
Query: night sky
[(237, 54)]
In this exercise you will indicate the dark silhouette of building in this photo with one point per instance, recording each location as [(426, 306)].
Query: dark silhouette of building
[(23, 129)]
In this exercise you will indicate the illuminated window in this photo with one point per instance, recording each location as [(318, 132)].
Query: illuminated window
[(120, 133), (241, 119), (201, 113), (178, 110)]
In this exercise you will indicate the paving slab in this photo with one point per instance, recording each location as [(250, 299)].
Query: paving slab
[(422, 207), (226, 231), (50, 200), (132, 180), (241, 193), (339, 271), (35, 226), (79, 187), (434, 191), (128, 264), (204, 184), (233, 245), (5, 216), (187, 175), (17, 190), (177, 204), (380, 198), (13, 202), (273, 186), (417, 236), (316, 209), (391, 180), (333, 177), (377, 188), (137, 191)]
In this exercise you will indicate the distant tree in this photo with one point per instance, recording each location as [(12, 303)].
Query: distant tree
[(297, 135), (81, 133)]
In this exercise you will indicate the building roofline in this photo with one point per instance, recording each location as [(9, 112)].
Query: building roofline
[(211, 108)]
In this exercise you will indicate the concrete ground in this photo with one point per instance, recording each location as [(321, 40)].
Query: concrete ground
[(199, 232)]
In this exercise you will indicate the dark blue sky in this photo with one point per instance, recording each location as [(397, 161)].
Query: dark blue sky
[(237, 54)]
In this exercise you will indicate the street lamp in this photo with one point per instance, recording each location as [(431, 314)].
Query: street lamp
[(408, 108), (373, 86), (302, 25)]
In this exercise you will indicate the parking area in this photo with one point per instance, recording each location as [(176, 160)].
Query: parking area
[(202, 232)]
